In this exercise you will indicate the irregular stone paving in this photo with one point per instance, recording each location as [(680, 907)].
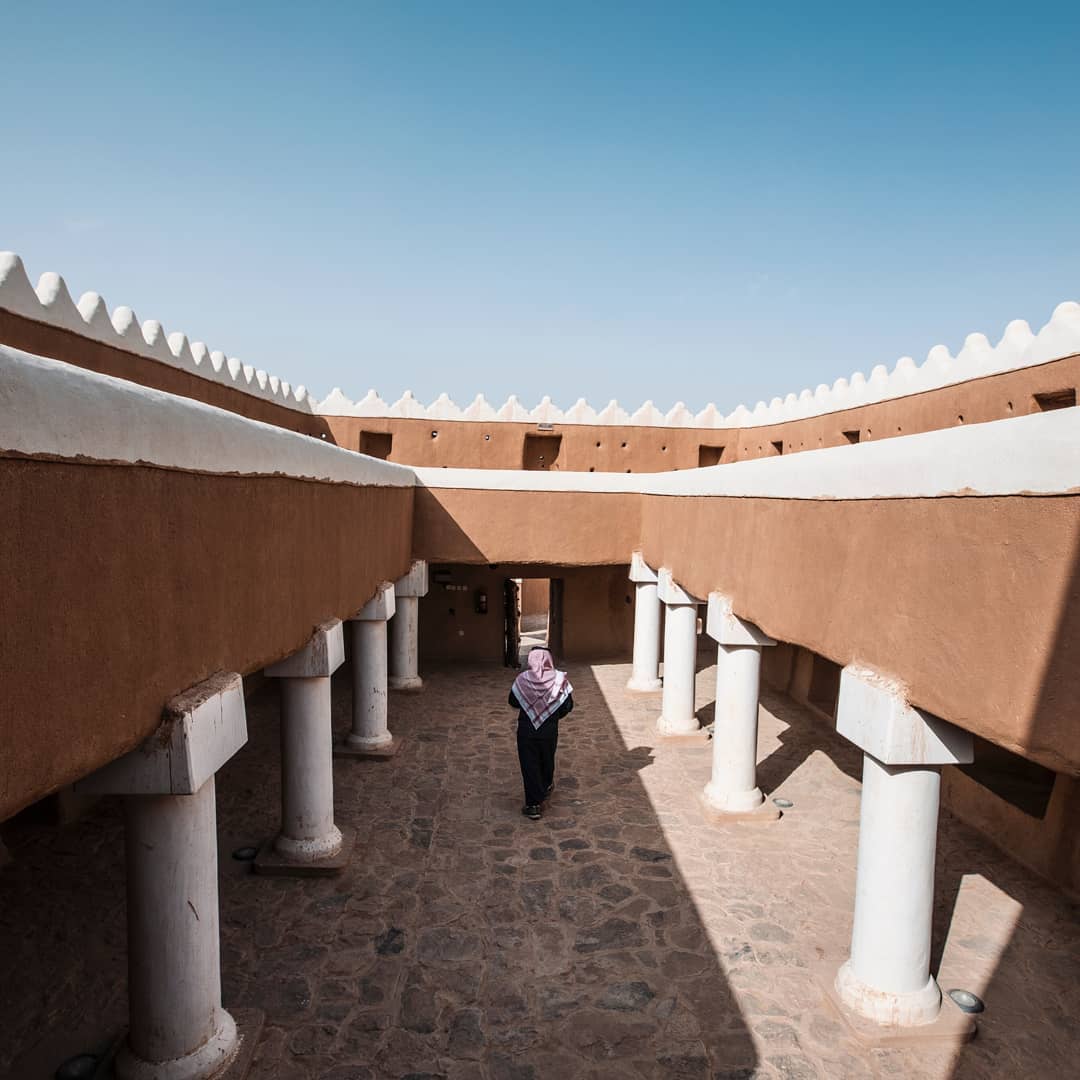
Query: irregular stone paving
[(619, 937)]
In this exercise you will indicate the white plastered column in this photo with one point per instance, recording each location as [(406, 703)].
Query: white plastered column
[(678, 716), (732, 789), (404, 629), (888, 978), (179, 1031), (645, 674), (309, 841), (370, 735)]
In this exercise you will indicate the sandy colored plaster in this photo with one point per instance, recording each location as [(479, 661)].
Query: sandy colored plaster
[(971, 602), (139, 582), (550, 527)]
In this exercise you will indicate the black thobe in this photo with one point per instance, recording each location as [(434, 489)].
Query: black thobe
[(536, 749)]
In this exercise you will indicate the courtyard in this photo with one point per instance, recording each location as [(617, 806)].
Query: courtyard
[(620, 936)]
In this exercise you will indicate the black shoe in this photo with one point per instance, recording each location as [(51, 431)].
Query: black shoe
[(549, 789), (531, 812)]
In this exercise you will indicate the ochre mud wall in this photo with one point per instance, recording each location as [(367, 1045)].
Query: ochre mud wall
[(598, 612), (973, 603), (59, 344), (607, 448), (124, 585), (454, 525)]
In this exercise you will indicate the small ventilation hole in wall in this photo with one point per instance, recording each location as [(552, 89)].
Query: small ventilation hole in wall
[(434, 434), (852, 436), (960, 418), (778, 446), (487, 438)]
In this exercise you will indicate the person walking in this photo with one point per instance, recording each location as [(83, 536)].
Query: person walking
[(543, 696)]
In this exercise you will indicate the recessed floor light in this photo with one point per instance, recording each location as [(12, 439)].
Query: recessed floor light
[(966, 1001)]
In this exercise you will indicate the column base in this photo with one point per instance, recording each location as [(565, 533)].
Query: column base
[(412, 683), (913, 1009), (681, 733), (273, 862), (226, 1056), (374, 752), (737, 808), (644, 686), (950, 1026)]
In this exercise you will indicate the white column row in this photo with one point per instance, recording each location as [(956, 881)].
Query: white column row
[(178, 1028), (887, 978)]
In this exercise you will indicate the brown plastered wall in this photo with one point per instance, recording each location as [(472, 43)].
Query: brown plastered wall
[(454, 525), (1050, 845), (500, 444), (534, 596), (59, 344), (598, 615), (451, 630), (973, 603), (124, 585)]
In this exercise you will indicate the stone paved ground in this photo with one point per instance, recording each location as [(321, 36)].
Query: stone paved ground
[(618, 937)]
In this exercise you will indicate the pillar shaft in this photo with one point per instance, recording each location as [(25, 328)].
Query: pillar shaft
[(888, 976), (174, 979), (733, 786), (369, 684), (308, 831), (680, 659), (404, 634), (646, 668)]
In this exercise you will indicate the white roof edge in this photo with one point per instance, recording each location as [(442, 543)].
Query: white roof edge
[(1025, 455), (50, 407)]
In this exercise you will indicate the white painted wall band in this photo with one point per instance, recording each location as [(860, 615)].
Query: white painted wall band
[(49, 407)]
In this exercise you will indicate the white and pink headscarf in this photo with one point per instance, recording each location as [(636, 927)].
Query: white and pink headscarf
[(541, 688)]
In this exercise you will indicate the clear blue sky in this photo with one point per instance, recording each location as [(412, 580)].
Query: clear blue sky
[(675, 201)]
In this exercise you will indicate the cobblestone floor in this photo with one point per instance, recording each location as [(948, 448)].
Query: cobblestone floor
[(618, 937)]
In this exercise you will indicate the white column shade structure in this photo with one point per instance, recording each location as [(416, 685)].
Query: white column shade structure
[(404, 629), (370, 736), (732, 789), (645, 673), (678, 716), (309, 841), (179, 1031), (888, 978)]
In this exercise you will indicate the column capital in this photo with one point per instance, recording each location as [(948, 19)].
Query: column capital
[(670, 592), (415, 582), (319, 658), (874, 714), (640, 571), (380, 607), (201, 729), (726, 628)]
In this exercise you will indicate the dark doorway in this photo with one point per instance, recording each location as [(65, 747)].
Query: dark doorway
[(511, 615)]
